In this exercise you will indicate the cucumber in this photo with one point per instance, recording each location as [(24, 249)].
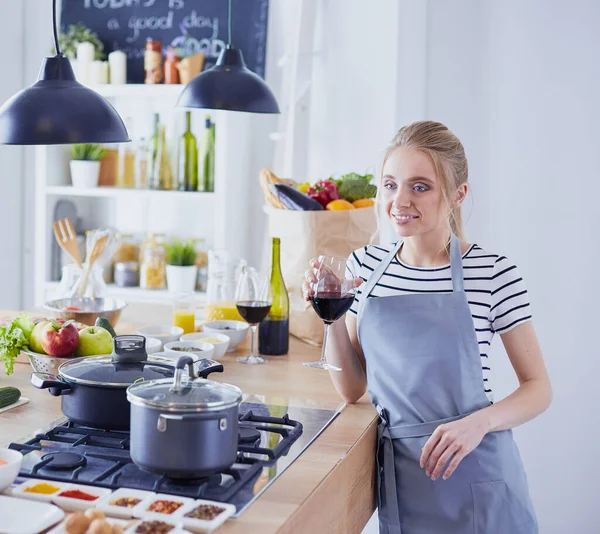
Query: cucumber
[(104, 323), (9, 395)]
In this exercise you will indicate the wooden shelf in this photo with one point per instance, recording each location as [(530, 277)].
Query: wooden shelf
[(116, 192), (138, 90)]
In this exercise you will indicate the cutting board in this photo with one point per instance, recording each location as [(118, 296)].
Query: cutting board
[(20, 402)]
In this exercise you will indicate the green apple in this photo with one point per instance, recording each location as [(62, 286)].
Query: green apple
[(94, 340), (35, 341)]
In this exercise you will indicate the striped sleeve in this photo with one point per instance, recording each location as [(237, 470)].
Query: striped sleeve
[(510, 304), (356, 262)]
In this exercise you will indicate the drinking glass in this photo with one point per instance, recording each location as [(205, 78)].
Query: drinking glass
[(253, 301), (333, 295)]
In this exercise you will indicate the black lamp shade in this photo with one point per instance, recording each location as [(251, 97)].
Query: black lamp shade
[(58, 110), (229, 85)]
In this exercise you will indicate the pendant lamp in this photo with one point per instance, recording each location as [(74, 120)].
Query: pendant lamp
[(58, 110), (229, 85)]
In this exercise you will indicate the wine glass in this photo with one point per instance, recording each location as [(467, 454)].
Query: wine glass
[(253, 301), (333, 295)]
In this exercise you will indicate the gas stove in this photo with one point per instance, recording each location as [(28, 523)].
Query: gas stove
[(270, 438)]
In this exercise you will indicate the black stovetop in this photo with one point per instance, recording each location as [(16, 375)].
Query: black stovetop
[(101, 458)]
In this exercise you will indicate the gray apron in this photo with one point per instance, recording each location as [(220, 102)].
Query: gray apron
[(424, 369)]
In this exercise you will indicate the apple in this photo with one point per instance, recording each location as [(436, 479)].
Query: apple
[(35, 341), (60, 339), (94, 340)]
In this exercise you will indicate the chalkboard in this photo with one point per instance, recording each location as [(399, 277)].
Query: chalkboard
[(196, 25)]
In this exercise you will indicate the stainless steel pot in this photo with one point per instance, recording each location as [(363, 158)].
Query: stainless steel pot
[(184, 427)]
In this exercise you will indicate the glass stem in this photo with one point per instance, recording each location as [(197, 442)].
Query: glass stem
[(252, 341), (325, 332)]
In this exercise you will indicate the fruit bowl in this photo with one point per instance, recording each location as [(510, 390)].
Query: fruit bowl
[(42, 363), (89, 309)]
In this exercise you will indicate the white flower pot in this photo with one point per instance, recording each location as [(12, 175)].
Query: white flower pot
[(85, 173), (181, 279)]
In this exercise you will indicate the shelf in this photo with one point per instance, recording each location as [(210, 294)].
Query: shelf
[(139, 90), (137, 294), (116, 192)]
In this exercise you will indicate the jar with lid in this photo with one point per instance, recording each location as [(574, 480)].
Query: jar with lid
[(127, 249), (127, 274), (153, 62), (152, 264), (171, 70)]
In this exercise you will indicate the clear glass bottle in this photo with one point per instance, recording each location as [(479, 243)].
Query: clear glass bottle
[(126, 174), (152, 264)]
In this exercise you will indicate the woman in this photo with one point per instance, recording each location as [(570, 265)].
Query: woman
[(418, 338)]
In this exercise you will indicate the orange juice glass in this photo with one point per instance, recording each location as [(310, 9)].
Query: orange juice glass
[(184, 313)]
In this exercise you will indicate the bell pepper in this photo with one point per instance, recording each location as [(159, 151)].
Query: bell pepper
[(324, 192), (303, 187)]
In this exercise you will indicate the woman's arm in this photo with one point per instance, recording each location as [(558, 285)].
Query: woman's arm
[(533, 396), (343, 350)]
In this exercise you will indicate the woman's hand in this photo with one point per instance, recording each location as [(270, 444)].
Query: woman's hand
[(310, 279), (451, 442)]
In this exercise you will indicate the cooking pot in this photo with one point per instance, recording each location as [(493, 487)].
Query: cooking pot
[(184, 427), (93, 389)]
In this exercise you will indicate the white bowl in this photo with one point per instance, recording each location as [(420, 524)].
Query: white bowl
[(70, 504), (165, 334), (153, 345), (20, 490), (10, 470), (220, 347), (122, 511), (236, 331), (204, 525), (204, 350)]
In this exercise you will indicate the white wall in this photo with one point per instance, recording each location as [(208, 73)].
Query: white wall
[(11, 169), (518, 82)]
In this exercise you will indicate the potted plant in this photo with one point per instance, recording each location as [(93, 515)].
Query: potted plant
[(181, 268), (85, 165)]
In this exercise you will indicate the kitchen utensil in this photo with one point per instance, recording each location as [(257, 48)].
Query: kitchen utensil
[(22, 516), (333, 295), (67, 239), (42, 363), (93, 389), (20, 402), (97, 250), (89, 309), (236, 331), (184, 427), (219, 341), (10, 470), (63, 209)]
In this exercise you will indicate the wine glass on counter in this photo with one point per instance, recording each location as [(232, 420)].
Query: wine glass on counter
[(253, 301), (333, 295)]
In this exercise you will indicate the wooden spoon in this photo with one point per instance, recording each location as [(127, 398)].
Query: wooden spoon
[(67, 239)]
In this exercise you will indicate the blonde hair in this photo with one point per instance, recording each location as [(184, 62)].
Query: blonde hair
[(449, 160)]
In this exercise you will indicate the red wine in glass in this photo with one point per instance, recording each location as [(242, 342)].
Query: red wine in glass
[(330, 307), (253, 311)]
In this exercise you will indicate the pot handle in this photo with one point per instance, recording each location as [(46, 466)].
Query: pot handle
[(208, 366), (161, 424), (181, 363), (50, 382)]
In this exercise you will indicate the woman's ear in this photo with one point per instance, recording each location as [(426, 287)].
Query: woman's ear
[(460, 195)]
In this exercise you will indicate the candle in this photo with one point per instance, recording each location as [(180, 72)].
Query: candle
[(85, 58), (118, 67), (97, 73)]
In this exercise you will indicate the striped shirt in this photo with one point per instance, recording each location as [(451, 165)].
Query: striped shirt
[(495, 291)]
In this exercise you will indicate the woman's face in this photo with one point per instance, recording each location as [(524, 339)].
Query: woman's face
[(412, 194)]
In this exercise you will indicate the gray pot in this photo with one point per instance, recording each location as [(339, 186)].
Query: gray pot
[(182, 427)]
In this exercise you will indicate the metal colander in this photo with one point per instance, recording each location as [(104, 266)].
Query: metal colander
[(42, 363)]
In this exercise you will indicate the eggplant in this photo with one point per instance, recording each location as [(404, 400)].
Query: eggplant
[(293, 199)]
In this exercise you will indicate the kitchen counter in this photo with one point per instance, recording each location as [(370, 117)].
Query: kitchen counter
[(329, 488)]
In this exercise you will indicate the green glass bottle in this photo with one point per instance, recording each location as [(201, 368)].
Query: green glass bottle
[(208, 160), (154, 163), (274, 331), (188, 158)]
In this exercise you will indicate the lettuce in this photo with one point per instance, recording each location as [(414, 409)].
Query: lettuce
[(14, 338)]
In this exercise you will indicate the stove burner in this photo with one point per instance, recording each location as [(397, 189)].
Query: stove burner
[(63, 460), (248, 435)]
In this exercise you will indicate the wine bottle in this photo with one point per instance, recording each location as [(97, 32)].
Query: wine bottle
[(153, 175), (188, 158), (274, 331), (208, 160)]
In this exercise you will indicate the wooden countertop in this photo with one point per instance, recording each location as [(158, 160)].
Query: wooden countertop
[(329, 488)]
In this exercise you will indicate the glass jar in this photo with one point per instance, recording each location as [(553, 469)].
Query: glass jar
[(223, 274), (69, 283), (153, 61), (152, 264), (127, 274), (127, 249)]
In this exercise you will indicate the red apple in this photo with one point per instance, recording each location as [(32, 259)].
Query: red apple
[(60, 339)]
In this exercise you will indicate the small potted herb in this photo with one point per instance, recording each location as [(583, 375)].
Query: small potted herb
[(181, 266), (85, 165)]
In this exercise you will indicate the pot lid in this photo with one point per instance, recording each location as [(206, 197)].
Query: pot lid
[(128, 364), (184, 393)]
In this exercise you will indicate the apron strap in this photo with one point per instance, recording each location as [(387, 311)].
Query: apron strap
[(456, 266)]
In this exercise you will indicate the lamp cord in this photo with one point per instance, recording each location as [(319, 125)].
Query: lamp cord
[(228, 25), (58, 53)]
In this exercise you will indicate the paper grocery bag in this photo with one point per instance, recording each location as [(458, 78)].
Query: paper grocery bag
[(307, 234)]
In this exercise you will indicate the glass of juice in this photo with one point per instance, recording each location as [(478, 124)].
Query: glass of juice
[(184, 312)]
